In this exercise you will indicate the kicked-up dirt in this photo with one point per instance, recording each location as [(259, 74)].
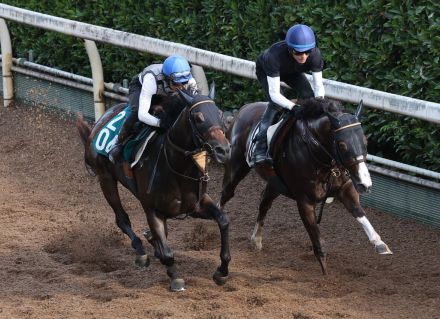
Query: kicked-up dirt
[(62, 255)]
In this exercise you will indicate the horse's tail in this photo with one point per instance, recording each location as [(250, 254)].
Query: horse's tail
[(83, 129)]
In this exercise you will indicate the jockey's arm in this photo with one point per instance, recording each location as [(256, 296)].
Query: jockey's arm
[(149, 88), (318, 85), (275, 93)]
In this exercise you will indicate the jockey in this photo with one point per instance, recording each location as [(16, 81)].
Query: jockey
[(161, 79), (287, 61)]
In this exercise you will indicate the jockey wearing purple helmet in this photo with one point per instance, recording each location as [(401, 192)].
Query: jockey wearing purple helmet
[(287, 61)]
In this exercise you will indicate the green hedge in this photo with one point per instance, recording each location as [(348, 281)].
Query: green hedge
[(392, 46)]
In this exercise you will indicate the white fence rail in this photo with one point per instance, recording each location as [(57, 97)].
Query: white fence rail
[(425, 110)]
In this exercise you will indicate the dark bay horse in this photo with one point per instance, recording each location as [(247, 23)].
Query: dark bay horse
[(320, 154), (169, 181)]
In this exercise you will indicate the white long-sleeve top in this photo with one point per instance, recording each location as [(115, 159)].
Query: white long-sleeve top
[(149, 88), (281, 100)]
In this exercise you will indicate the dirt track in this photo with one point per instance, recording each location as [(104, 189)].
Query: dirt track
[(62, 255)]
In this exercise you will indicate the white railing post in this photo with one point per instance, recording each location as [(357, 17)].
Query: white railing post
[(8, 86), (202, 82), (98, 78)]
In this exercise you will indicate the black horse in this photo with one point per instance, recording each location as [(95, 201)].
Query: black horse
[(170, 178), (320, 154)]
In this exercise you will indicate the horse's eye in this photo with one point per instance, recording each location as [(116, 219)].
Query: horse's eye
[(342, 146), (199, 117)]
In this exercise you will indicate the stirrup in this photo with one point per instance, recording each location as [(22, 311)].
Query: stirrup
[(265, 161)]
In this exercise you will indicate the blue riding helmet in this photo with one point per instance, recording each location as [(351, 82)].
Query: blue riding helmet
[(177, 69), (300, 38)]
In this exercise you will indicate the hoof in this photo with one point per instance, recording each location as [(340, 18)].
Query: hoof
[(142, 260), (177, 285), (329, 200), (219, 279), (257, 243), (382, 249)]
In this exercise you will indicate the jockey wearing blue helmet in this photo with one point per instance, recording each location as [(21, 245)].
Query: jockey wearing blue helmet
[(287, 61), (177, 69), (156, 79), (300, 38)]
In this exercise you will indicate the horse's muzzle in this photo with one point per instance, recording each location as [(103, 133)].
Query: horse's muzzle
[(361, 188), (221, 153)]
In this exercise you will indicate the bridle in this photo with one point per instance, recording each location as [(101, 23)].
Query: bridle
[(352, 131), (335, 157), (198, 140)]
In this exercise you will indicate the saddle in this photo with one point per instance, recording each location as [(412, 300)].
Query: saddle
[(136, 144), (273, 133)]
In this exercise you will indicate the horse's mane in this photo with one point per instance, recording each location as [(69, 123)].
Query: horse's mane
[(312, 108)]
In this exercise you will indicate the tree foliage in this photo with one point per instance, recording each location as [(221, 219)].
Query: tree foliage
[(392, 46)]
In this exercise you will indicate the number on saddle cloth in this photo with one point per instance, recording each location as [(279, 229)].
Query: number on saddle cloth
[(107, 136)]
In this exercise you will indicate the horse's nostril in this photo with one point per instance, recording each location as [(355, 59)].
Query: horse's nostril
[(219, 150), (361, 188)]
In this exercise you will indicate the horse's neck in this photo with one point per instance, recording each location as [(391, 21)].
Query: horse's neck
[(321, 130), (317, 137), (180, 134), (180, 138)]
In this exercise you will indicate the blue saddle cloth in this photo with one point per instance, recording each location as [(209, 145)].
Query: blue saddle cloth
[(107, 137)]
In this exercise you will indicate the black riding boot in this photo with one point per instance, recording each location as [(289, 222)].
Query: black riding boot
[(115, 153), (261, 152)]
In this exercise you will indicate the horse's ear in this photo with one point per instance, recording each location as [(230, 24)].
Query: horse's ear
[(188, 99), (333, 120), (211, 94), (359, 109)]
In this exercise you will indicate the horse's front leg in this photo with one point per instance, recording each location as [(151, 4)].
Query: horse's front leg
[(350, 198), (208, 210), (307, 213), (162, 250)]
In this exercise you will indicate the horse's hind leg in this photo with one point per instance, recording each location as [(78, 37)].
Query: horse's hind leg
[(110, 189), (267, 197), (235, 171), (307, 213)]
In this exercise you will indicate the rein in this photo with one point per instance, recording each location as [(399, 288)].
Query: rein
[(205, 177), (186, 153), (309, 139), (335, 171)]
